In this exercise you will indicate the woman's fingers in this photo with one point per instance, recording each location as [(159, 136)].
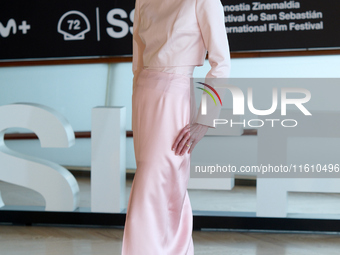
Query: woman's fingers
[(189, 135), (197, 135), (181, 146), (192, 146), (179, 138), (186, 144)]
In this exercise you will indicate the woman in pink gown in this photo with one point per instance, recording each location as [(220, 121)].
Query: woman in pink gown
[(170, 38)]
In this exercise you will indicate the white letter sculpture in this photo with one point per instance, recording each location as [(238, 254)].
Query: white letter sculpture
[(55, 183)]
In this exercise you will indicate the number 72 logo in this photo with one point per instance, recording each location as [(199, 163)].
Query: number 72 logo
[(73, 25)]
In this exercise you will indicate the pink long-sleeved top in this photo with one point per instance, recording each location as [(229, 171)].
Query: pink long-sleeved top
[(174, 36)]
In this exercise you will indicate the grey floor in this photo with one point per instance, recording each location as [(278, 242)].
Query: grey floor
[(97, 240)]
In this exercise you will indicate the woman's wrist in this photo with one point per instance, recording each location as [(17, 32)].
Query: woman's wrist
[(203, 125)]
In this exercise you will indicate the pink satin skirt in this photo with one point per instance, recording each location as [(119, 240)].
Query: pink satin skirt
[(159, 214)]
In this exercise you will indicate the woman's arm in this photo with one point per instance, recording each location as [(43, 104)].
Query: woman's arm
[(211, 20), (210, 16)]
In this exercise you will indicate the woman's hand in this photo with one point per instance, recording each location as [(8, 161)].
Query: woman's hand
[(190, 134)]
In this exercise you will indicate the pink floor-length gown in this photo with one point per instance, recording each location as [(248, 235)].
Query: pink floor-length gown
[(159, 215)]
